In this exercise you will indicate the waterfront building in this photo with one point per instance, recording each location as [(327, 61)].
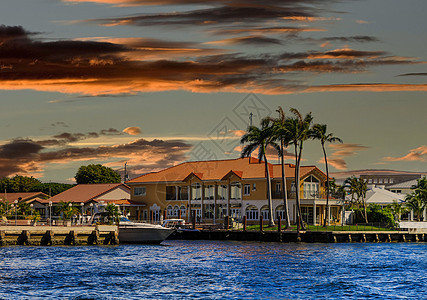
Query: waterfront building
[(235, 187), (89, 198), (388, 179), (35, 199)]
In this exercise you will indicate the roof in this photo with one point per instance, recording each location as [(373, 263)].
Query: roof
[(24, 196), (403, 185), (86, 192), (245, 168), (381, 196), (125, 202)]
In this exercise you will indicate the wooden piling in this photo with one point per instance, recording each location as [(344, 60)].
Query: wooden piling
[(245, 223), (261, 223)]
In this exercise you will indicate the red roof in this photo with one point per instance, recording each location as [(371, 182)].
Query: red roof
[(10, 197), (245, 168), (86, 192)]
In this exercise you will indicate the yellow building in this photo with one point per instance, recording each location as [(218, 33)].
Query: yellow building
[(235, 187)]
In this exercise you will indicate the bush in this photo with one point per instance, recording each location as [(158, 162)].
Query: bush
[(376, 214)]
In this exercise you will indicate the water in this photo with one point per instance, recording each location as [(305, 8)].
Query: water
[(216, 270)]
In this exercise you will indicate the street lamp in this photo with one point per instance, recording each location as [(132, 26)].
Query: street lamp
[(50, 213), (91, 208), (16, 211), (31, 205)]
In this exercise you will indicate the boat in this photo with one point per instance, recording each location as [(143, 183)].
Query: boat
[(142, 233), (135, 233)]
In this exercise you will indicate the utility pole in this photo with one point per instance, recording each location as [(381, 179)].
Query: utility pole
[(125, 177), (250, 118)]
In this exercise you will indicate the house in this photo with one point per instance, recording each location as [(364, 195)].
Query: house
[(388, 179), (89, 197), (402, 187), (235, 187), (34, 199)]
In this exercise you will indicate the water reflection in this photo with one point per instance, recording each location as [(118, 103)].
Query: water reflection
[(202, 269)]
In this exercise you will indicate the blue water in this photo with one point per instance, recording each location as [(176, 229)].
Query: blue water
[(216, 270)]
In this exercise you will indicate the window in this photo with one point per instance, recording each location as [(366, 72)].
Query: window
[(222, 192), (265, 213), (176, 211), (254, 187), (145, 214), (311, 187), (235, 213), (252, 213), (169, 211), (391, 180), (208, 211), (236, 190), (209, 191), (380, 180), (385, 180), (183, 210), (247, 190), (196, 191), (280, 212), (370, 180), (278, 187), (375, 180), (170, 193), (139, 191)]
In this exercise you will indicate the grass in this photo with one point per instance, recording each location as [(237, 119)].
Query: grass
[(368, 227)]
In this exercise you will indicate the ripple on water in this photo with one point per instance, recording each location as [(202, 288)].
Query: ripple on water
[(215, 270)]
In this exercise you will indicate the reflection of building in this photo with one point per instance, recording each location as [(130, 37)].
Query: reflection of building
[(217, 188)]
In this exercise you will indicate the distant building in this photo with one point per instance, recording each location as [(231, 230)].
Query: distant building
[(388, 179), (402, 187), (214, 189)]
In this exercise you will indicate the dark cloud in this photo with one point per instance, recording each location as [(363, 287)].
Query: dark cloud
[(25, 156), (67, 137), (357, 38), (413, 74)]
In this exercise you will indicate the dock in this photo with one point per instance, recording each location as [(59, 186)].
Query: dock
[(57, 235)]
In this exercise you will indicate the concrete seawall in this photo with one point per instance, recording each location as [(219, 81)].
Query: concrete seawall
[(307, 237), (55, 235)]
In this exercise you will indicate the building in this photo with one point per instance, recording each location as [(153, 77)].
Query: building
[(89, 197), (388, 179), (34, 199), (403, 187), (214, 189)]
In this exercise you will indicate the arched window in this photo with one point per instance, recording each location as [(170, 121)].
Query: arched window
[(175, 211), (169, 211), (280, 212), (236, 190), (252, 213), (265, 212), (311, 187), (183, 211)]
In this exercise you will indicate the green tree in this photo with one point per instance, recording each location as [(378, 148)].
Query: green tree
[(260, 138), (98, 173), (51, 188), (398, 209), (298, 129), (280, 134), (358, 188), (18, 184), (417, 200), (319, 132), (113, 213), (68, 209)]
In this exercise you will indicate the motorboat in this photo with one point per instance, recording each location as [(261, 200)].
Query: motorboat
[(136, 233), (142, 233)]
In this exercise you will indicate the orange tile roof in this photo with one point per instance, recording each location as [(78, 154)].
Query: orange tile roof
[(24, 196), (85, 192), (245, 168), (122, 202)]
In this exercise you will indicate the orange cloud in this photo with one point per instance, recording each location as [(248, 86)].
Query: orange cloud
[(132, 130), (417, 154), (341, 151)]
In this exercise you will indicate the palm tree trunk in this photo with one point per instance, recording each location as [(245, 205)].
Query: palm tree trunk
[(326, 221), (364, 206), (270, 202), (300, 224), (285, 192)]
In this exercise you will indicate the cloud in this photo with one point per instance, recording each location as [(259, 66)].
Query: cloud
[(132, 130), (413, 74), (249, 40), (341, 151), (26, 156), (417, 154), (67, 137)]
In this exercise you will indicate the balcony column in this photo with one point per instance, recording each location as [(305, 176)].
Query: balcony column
[(176, 193), (228, 198), (215, 192), (202, 186), (314, 213), (189, 203)]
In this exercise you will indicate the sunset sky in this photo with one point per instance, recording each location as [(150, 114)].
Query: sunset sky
[(157, 82)]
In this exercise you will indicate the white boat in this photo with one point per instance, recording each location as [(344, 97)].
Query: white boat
[(142, 233)]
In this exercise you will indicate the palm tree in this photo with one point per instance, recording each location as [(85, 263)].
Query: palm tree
[(415, 202), (318, 132), (298, 130), (358, 188), (398, 210), (260, 138), (68, 209), (280, 134)]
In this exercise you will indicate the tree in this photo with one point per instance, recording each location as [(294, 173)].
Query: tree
[(398, 209), (318, 132), (280, 134), (417, 200), (18, 184), (113, 213), (68, 209), (51, 188), (91, 174), (358, 188), (298, 130), (260, 138)]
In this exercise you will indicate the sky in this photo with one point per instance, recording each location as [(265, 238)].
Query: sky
[(156, 83)]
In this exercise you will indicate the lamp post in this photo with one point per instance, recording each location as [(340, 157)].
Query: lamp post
[(31, 206), (91, 208), (50, 213), (16, 211)]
